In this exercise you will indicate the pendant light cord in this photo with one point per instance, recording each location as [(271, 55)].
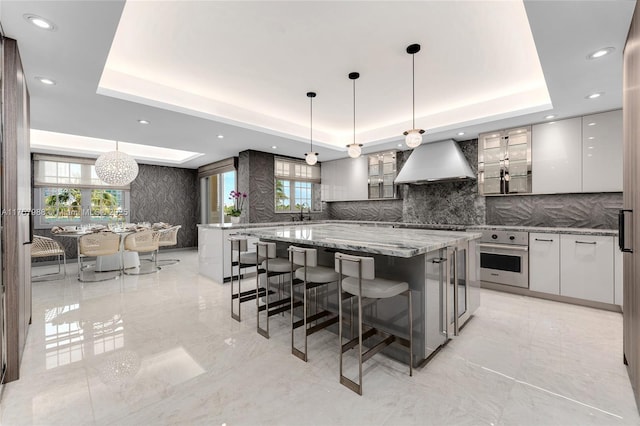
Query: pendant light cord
[(413, 87), (311, 125), (354, 111)]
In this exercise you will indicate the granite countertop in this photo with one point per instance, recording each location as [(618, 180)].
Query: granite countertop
[(547, 230), (435, 226), (430, 226), (398, 242)]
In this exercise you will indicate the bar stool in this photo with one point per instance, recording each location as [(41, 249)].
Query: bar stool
[(244, 260), (311, 276), (361, 282), (272, 266)]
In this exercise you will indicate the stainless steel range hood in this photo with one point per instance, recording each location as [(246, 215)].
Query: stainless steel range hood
[(435, 162)]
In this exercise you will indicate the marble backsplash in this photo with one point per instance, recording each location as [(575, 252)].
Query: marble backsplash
[(592, 210)]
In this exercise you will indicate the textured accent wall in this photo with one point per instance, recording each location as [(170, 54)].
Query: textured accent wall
[(168, 194), (255, 177), (380, 210), (598, 210), (447, 202)]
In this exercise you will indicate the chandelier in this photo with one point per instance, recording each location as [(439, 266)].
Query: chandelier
[(116, 168)]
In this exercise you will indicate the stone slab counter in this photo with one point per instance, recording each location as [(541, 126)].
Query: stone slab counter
[(546, 230)]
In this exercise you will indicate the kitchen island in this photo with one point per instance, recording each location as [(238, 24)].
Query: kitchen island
[(441, 268)]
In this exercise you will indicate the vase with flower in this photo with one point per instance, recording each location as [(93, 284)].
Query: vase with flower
[(235, 211)]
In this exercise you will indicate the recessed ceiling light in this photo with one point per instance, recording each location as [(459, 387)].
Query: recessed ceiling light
[(399, 144), (144, 122), (549, 117), (460, 133), (45, 80), (594, 95), (591, 138), (600, 53), (493, 136), (591, 124), (220, 136), (274, 147), (590, 147), (39, 22)]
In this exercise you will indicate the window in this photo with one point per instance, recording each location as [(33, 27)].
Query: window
[(67, 191), (297, 186)]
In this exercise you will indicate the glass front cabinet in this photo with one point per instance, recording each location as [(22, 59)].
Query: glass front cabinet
[(382, 173)]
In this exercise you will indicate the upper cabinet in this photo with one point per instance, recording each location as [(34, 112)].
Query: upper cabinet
[(504, 161), (382, 173), (581, 154), (345, 179), (602, 152), (556, 155)]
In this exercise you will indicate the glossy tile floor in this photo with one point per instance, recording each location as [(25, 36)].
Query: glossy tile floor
[(162, 349)]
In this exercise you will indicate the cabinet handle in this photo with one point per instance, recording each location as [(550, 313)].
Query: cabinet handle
[(622, 230), (542, 239), (586, 242)]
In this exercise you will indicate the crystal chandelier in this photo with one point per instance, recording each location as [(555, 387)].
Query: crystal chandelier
[(116, 168), (311, 157), (413, 137), (354, 149)]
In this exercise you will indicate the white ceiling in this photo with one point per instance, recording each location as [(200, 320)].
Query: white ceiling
[(248, 65)]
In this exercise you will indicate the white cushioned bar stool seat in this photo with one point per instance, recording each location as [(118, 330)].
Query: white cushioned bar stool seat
[(357, 277), (379, 288), (241, 258), (317, 274), (312, 277), (271, 303)]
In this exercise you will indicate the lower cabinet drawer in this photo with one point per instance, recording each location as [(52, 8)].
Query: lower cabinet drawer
[(586, 267)]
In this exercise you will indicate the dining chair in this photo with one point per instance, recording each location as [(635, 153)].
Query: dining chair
[(94, 245), (146, 241), (47, 247), (168, 238)]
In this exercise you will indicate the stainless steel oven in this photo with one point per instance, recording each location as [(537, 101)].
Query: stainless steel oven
[(504, 258)]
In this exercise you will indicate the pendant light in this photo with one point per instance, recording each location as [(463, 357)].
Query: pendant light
[(116, 168), (413, 137), (354, 149), (311, 157)]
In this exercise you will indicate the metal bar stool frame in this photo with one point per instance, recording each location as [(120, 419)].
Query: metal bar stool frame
[(306, 319), (240, 244), (388, 338), (283, 304)]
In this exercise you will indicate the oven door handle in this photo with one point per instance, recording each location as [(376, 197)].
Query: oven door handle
[(503, 247)]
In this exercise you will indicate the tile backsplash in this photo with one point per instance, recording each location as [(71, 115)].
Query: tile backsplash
[(591, 210)]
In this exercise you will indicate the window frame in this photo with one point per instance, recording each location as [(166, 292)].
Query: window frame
[(40, 221), (296, 172)]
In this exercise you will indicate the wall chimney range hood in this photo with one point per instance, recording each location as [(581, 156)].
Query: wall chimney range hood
[(435, 162)]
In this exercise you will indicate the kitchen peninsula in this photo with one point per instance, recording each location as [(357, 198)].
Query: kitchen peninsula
[(441, 267)]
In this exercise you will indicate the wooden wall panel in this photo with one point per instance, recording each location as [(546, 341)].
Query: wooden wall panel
[(631, 200), (16, 200)]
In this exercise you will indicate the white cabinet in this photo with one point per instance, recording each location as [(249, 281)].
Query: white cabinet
[(602, 152), (617, 270), (586, 267), (544, 262), (345, 179), (556, 156)]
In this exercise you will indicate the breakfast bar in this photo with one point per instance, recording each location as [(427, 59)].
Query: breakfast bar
[(440, 266)]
